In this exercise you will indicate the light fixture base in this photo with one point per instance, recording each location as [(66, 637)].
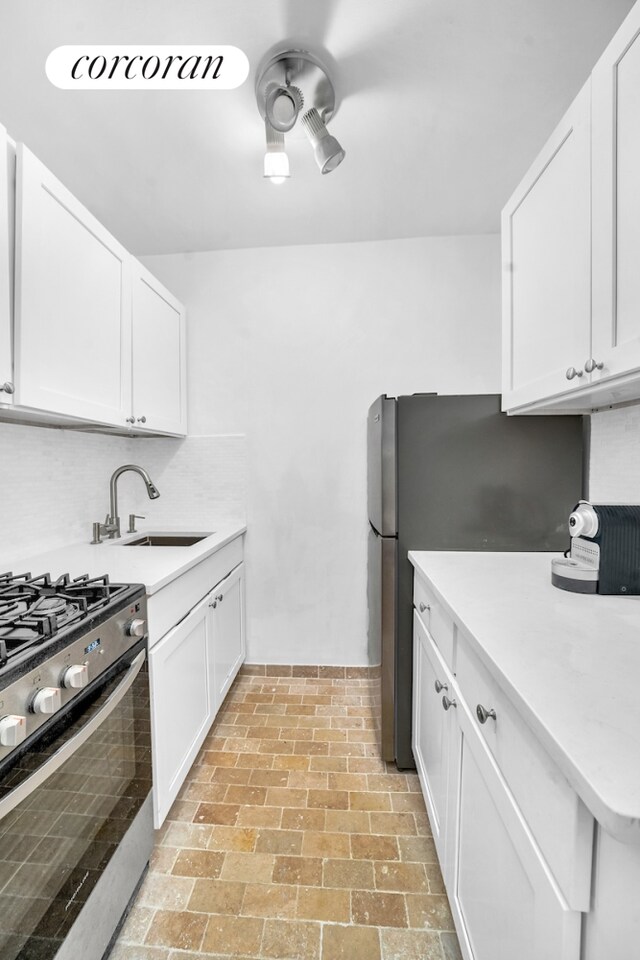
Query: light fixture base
[(301, 69)]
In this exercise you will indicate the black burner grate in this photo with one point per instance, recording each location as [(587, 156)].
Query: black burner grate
[(34, 609)]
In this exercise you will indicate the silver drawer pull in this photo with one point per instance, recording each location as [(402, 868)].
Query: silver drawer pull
[(483, 714), (446, 703), (440, 686), (7, 387), (572, 372), (424, 606), (592, 365)]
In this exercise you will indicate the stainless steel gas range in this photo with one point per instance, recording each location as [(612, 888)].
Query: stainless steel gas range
[(76, 825)]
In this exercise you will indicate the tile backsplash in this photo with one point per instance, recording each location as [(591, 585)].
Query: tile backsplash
[(55, 483), (614, 475)]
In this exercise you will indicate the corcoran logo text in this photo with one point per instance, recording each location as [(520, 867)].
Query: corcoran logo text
[(147, 68)]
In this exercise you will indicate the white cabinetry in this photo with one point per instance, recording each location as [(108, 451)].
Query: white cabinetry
[(6, 189), (616, 202), (571, 234), (159, 388), (191, 670), (182, 703), (546, 240), (72, 306), (506, 899), (431, 734), (228, 632)]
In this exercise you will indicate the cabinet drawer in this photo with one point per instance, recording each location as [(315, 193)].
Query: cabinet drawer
[(557, 818), (436, 620)]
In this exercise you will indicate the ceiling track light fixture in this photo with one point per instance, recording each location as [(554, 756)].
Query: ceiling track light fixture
[(291, 86)]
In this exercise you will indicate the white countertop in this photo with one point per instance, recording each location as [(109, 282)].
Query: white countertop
[(570, 664), (153, 566)]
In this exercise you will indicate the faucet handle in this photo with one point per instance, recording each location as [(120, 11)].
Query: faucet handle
[(132, 521)]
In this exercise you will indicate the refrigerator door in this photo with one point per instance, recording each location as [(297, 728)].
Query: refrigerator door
[(381, 596), (381, 466), (472, 478)]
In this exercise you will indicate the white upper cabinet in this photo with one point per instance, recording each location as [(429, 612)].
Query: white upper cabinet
[(159, 389), (571, 236), (6, 190), (546, 249), (72, 323), (616, 202)]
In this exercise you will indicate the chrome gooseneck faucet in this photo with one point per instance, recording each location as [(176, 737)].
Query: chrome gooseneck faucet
[(111, 525)]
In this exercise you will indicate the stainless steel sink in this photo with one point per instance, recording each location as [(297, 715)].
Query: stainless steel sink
[(167, 540)]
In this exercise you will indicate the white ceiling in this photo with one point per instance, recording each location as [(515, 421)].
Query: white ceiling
[(442, 106)]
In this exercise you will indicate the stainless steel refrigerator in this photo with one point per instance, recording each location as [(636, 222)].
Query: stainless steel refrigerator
[(454, 473)]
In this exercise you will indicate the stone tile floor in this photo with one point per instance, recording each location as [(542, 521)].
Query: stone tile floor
[(292, 840)]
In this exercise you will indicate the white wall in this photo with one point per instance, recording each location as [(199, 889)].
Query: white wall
[(290, 346), (615, 456), (55, 484)]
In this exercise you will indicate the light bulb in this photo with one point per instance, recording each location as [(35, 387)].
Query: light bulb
[(276, 162)]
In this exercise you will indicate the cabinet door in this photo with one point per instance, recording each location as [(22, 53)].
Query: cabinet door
[(228, 633), (159, 356), (503, 896), (6, 359), (546, 249), (72, 329), (181, 703), (616, 202), (431, 731)]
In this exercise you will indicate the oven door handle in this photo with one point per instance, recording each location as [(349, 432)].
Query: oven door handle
[(26, 788)]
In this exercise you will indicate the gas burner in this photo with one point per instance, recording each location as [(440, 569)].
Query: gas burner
[(35, 609)]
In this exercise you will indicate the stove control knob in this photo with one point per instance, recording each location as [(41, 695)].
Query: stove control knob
[(13, 730), (46, 700), (76, 676), (136, 628)]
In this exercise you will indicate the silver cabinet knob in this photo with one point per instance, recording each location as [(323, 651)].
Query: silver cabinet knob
[(214, 604), (483, 714), (142, 419), (130, 420), (440, 686), (446, 703), (424, 606), (572, 373), (7, 387), (592, 365)]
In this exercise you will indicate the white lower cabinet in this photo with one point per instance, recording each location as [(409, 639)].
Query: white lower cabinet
[(191, 670), (228, 633), (504, 897), (182, 703), (431, 734)]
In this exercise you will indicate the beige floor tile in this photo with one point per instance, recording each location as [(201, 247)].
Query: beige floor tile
[(248, 867), (240, 839), (291, 939), (430, 912), (198, 863), (233, 935), (350, 943), (179, 929), (305, 871), (292, 840), (217, 896), (321, 903), (378, 909), (410, 945), (350, 874), (270, 900)]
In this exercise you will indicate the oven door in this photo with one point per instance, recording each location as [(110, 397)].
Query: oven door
[(68, 805)]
